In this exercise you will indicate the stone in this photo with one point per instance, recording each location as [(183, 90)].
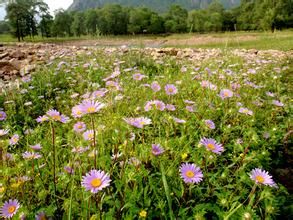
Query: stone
[(18, 54)]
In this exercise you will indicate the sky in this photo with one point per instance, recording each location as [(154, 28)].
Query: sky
[(53, 5)]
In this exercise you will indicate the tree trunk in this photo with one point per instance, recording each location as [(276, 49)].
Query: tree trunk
[(17, 30)]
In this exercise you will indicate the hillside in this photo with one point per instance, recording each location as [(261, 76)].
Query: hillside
[(157, 5)]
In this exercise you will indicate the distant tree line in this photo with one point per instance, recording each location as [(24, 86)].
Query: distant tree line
[(31, 17)]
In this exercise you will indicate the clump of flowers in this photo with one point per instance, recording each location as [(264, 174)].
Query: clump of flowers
[(95, 181), (159, 105), (9, 209), (212, 145), (190, 173), (262, 177)]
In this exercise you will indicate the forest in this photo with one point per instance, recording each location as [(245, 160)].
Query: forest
[(28, 18)]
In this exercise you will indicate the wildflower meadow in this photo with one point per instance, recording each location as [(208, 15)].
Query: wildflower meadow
[(121, 133)]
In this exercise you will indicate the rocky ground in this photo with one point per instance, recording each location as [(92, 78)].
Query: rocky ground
[(22, 59)]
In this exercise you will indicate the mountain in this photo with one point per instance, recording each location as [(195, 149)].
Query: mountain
[(157, 5)]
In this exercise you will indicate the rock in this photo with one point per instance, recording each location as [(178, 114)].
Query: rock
[(3, 55), (27, 69), (16, 64), (18, 54)]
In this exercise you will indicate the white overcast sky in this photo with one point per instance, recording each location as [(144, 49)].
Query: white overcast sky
[(56, 4), (53, 5)]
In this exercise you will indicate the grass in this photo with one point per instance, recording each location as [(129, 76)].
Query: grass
[(279, 40)]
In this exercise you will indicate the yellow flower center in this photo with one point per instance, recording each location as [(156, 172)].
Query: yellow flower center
[(260, 179), (211, 146), (96, 182), (79, 126), (56, 117), (189, 174), (90, 136), (43, 217), (226, 94), (170, 89), (142, 123), (90, 109), (11, 209)]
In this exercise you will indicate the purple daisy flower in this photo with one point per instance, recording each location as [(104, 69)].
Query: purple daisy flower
[(9, 209), (148, 106), (36, 147), (277, 103), (76, 111), (99, 93), (95, 181), (41, 216), (212, 145), (226, 93), (139, 122), (89, 107), (3, 132), (2, 115), (160, 105), (179, 121), (171, 89), (190, 173), (42, 119), (31, 155), (88, 135), (155, 86), (190, 108), (69, 170), (210, 124), (270, 94), (79, 127), (14, 139), (262, 177), (157, 149), (245, 111), (56, 116), (170, 107), (79, 150), (138, 76)]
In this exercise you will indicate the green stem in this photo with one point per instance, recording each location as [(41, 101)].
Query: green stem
[(167, 192), (54, 162), (94, 142)]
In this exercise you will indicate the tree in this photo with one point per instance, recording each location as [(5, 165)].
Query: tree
[(62, 24), (91, 21), (176, 19), (113, 19), (78, 24)]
